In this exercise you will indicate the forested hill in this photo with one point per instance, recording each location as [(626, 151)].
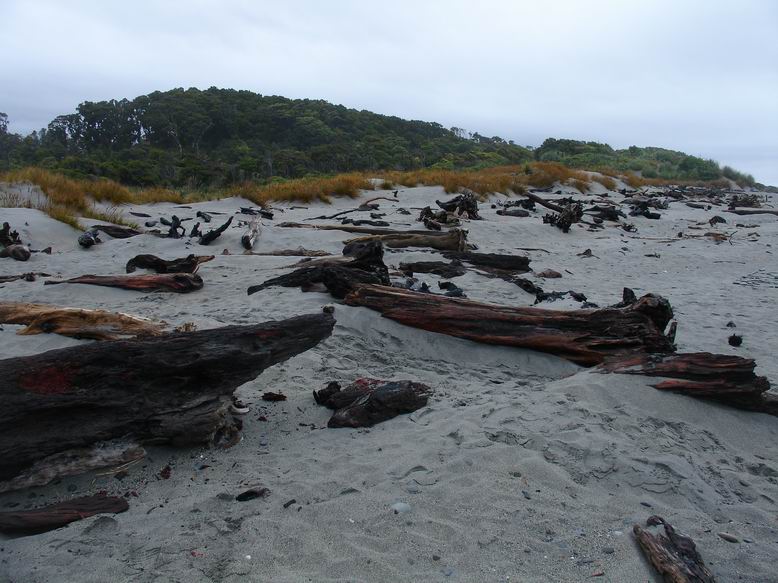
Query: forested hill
[(218, 136)]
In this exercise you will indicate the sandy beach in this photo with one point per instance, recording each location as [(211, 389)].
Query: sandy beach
[(523, 467)]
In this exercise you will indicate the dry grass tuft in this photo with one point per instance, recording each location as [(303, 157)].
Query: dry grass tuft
[(303, 189), (157, 194), (70, 192), (608, 182)]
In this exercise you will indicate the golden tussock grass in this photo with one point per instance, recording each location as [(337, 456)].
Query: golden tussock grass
[(608, 182), (303, 189), (70, 192), (157, 194)]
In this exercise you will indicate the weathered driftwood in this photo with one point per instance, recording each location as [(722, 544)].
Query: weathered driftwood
[(174, 388), (724, 378), (299, 252), (674, 556), (585, 337), (113, 453), (441, 268), (360, 230), (251, 236), (17, 252), (211, 236), (76, 322), (752, 212), (369, 401), (188, 264), (25, 522), (543, 202), (514, 263), (338, 276), (31, 276), (171, 282), (116, 231), (453, 240), (465, 204), (176, 230)]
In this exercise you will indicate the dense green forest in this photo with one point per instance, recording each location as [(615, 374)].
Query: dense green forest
[(215, 137)]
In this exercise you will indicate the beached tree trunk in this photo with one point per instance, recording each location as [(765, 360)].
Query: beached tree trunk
[(173, 389), (169, 282), (76, 322), (586, 337), (720, 377)]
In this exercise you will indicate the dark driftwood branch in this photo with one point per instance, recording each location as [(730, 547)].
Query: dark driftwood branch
[(513, 263), (188, 264), (17, 252), (40, 520), (116, 231), (724, 378), (585, 337), (174, 388), (753, 212), (171, 282), (299, 252), (339, 276), (543, 202), (211, 236), (76, 322), (675, 556)]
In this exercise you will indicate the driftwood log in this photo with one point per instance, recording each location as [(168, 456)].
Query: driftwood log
[(453, 240), (25, 522), (674, 556), (188, 264), (513, 263), (112, 453), (585, 337), (211, 236), (338, 276), (116, 231), (724, 378), (170, 282), (250, 237), (441, 268), (299, 252), (76, 322), (173, 389), (359, 230), (30, 276), (366, 402), (752, 212)]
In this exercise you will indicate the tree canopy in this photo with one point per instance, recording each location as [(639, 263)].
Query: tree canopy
[(203, 138)]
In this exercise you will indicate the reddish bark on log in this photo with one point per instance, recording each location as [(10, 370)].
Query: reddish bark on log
[(675, 556), (724, 378), (58, 515), (171, 282), (585, 337), (174, 388)]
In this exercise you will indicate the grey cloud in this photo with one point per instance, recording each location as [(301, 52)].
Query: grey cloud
[(698, 76)]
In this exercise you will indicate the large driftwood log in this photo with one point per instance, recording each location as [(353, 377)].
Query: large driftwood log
[(171, 282), (724, 378), (188, 264), (76, 322), (173, 389), (675, 556), (585, 337), (24, 522), (441, 268), (453, 240)]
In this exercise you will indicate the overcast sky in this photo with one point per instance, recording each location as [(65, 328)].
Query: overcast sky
[(694, 75)]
